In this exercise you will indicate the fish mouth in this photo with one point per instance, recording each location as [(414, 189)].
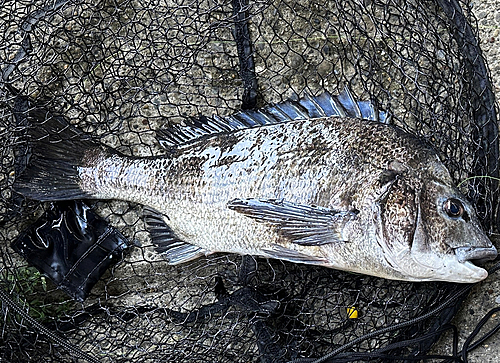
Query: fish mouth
[(477, 255)]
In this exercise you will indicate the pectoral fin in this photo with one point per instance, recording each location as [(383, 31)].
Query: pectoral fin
[(301, 224), (176, 251)]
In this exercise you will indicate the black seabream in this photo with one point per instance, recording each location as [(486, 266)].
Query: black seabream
[(321, 181)]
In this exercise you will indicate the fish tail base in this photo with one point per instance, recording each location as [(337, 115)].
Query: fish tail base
[(52, 171)]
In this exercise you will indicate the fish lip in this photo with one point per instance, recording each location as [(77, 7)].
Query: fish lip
[(478, 255)]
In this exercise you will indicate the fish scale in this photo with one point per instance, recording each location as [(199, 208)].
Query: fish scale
[(336, 191)]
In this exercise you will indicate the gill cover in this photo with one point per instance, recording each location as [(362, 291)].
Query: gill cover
[(446, 242)]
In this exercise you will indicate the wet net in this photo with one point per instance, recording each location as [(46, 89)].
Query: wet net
[(119, 70)]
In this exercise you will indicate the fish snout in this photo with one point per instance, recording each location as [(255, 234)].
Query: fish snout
[(478, 255)]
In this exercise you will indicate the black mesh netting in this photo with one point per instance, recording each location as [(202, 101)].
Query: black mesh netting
[(119, 70)]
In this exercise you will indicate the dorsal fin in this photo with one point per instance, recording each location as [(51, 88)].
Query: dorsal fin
[(307, 107)]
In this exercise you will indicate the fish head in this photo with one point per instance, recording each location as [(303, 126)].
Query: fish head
[(444, 235)]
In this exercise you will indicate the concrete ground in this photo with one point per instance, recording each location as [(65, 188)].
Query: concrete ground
[(485, 296)]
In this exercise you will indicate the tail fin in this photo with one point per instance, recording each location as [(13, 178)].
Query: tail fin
[(55, 151)]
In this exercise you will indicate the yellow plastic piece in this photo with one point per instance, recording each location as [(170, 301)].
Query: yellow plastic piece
[(352, 313)]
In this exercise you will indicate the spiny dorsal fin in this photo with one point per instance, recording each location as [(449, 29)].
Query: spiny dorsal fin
[(307, 107)]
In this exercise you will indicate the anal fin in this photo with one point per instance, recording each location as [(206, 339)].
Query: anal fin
[(167, 243), (282, 253)]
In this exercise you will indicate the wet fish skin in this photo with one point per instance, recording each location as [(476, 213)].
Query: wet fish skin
[(345, 193)]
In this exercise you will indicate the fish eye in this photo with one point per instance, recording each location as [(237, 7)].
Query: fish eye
[(453, 208)]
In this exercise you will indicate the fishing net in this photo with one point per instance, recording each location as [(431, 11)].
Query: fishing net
[(120, 69)]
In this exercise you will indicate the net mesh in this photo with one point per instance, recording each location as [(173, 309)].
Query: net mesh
[(119, 70)]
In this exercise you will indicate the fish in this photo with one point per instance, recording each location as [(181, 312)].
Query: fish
[(322, 180)]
